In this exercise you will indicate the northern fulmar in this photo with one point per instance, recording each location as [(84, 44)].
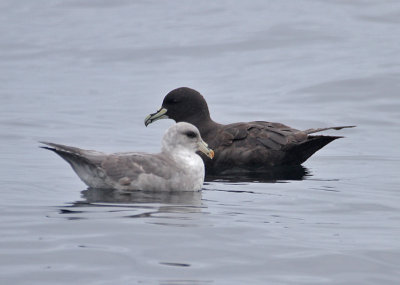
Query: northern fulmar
[(177, 168), (241, 147)]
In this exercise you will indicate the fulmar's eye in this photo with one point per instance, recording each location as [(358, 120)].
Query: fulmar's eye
[(191, 134)]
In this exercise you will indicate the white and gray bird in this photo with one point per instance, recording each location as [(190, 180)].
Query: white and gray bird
[(176, 168)]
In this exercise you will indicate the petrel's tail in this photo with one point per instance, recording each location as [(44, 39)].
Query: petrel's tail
[(302, 151), (312, 131)]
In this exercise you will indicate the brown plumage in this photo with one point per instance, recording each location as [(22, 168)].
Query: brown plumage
[(241, 147)]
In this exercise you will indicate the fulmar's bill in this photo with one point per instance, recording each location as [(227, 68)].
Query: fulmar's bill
[(176, 168), (241, 147)]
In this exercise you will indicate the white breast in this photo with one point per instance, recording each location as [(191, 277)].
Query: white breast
[(191, 176)]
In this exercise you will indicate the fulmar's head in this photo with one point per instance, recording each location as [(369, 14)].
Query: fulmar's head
[(185, 136), (182, 105)]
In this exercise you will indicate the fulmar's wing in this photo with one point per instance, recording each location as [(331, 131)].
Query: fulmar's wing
[(123, 168)]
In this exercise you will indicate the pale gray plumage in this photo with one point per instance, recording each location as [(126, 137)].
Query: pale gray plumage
[(177, 167)]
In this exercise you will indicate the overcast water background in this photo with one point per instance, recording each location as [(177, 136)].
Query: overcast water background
[(86, 73)]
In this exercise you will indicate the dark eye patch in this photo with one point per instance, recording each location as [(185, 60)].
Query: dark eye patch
[(191, 134)]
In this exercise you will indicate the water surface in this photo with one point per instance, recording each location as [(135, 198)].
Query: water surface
[(86, 73)]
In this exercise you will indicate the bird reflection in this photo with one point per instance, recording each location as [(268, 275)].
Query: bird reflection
[(93, 195), (161, 207), (139, 204), (273, 175)]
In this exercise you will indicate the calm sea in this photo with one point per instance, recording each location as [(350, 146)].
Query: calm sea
[(86, 73)]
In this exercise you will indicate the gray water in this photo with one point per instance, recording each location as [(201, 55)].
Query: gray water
[(86, 73)]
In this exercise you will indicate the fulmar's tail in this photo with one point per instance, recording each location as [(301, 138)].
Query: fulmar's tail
[(72, 155), (86, 163)]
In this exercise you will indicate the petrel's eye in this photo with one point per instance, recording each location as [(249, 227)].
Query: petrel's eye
[(172, 101), (191, 134)]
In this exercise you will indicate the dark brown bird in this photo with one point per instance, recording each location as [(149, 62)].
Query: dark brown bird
[(241, 147)]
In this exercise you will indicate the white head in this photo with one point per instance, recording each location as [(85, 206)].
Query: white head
[(186, 136)]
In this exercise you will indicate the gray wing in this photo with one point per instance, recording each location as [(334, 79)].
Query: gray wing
[(126, 167), (100, 170)]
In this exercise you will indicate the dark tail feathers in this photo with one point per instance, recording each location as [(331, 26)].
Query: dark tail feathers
[(312, 131), (301, 152)]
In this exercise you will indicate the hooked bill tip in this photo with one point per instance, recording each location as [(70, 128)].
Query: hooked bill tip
[(211, 154)]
